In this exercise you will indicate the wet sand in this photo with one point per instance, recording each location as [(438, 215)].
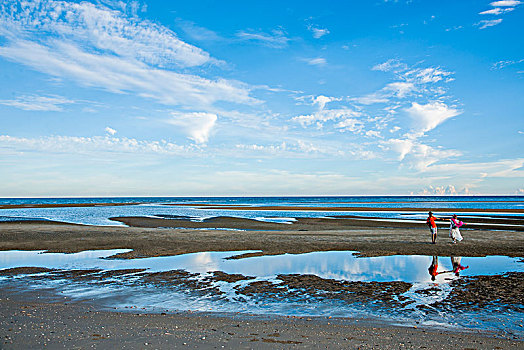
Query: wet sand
[(270, 238), (37, 319), (41, 320)]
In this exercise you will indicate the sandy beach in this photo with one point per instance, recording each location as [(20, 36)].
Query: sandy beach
[(369, 238), (42, 318)]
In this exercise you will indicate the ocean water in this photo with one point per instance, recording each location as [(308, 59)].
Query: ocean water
[(162, 207)]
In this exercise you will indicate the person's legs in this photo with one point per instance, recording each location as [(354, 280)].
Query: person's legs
[(433, 235)]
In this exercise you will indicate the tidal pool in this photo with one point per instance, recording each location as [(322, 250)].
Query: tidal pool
[(400, 289)]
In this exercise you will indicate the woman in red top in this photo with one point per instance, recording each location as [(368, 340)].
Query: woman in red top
[(432, 226)]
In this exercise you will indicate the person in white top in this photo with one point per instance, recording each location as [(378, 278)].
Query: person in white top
[(454, 232)]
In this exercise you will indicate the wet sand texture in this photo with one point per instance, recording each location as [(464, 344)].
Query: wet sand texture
[(34, 321), (369, 241)]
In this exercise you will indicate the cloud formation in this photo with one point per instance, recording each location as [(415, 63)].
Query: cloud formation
[(488, 23), (276, 39), (110, 130), (500, 8), (448, 190), (428, 116), (197, 126), (318, 32), (51, 103), (319, 61), (100, 47), (95, 144)]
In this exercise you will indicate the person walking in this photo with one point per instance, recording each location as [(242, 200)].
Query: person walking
[(454, 232), (432, 226)]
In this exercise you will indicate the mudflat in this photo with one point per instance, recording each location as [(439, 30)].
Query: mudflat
[(43, 318), (308, 235)]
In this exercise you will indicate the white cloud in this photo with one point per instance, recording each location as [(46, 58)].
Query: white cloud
[(427, 75), (102, 48), (322, 100), (503, 64), (390, 65), (275, 39), (428, 116), (488, 23), (38, 103), (505, 3), (316, 61), (423, 81), (417, 155), (449, 190), (496, 11), (197, 32), (344, 118), (104, 29), (402, 147), (198, 126), (116, 74), (400, 89), (95, 144), (370, 99), (349, 124), (318, 32), (110, 130)]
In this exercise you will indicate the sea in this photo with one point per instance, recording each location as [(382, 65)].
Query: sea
[(165, 207)]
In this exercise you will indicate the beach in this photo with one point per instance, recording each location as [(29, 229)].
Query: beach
[(39, 321), (105, 304), (369, 238), (38, 318)]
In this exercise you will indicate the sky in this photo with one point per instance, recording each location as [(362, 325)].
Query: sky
[(261, 98)]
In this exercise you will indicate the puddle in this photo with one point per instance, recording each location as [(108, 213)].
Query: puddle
[(401, 289)]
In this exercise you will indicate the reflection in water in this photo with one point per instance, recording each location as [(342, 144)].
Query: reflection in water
[(188, 282), (433, 268), (457, 267)]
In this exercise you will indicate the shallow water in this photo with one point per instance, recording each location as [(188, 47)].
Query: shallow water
[(137, 291), (160, 207)]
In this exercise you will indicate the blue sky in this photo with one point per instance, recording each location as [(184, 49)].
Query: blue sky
[(172, 98)]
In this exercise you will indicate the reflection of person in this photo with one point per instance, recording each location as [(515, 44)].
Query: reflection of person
[(432, 226), (454, 232), (433, 268), (457, 267)]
